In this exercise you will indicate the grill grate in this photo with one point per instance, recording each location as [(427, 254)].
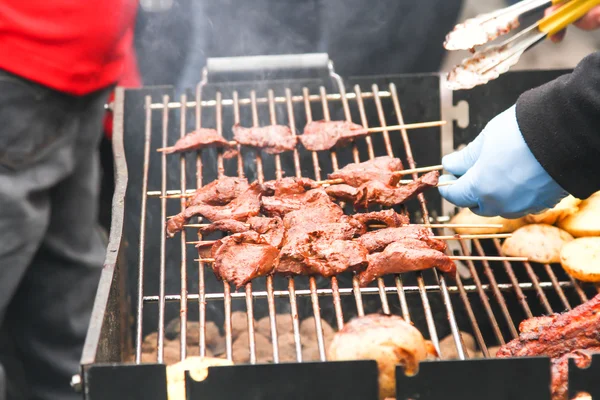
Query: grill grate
[(485, 285)]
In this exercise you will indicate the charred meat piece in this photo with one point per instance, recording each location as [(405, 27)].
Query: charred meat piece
[(375, 192), (241, 257), (389, 218), (288, 194), (378, 240), (241, 208), (200, 139), (219, 192), (560, 370), (404, 256), (328, 258), (270, 228), (290, 186), (379, 169), (273, 139), (342, 192), (324, 135), (225, 225), (573, 330)]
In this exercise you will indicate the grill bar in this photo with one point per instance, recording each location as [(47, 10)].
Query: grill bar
[(183, 268)]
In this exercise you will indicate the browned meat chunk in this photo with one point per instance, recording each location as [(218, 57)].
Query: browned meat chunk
[(219, 192), (378, 240), (375, 192), (378, 169), (404, 256), (289, 194), (225, 225), (200, 139), (324, 135), (270, 228), (243, 207), (573, 330), (389, 218), (342, 192), (560, 370), (289, 186), (274, 139), (241, 257)]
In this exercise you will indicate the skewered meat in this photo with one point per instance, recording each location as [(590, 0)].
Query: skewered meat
[(378, 169), (241, 208), (270, 228), (378, 240), (573, 330), (289, 194), (200, 139), (220, 192), (375, 192), (560, 370), (342, 192), (387, 339), (404, 256), (273, 139), (324, 135), (289, 186), (225, 225), (389, 218), (241, 257)]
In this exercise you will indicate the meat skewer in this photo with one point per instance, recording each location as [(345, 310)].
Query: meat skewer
[(274, 139), (200, 139)]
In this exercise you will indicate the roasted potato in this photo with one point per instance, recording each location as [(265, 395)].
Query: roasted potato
[(586, 221), (466, 216), (538, 242), (387, 339), (581, 259), (198, 367), (567, 206)]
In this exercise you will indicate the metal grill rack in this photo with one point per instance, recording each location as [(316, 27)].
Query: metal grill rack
[(494, 296)]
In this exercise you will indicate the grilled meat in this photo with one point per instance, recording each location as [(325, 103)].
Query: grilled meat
[(289, 186), (375, 192), (219, 192), (389, 218), (273, 139), (200, 139), (560, 370), (324, 135), (554, 336), (342, 192), (270, 228), (378, 240), (404, 256), (241, 257), (225, 225), (289, 194), (379, 169), (241, 208)]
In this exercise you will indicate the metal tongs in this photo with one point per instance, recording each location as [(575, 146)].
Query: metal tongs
[(489, 63)]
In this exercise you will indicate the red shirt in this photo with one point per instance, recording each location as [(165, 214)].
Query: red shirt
[(74, 46)]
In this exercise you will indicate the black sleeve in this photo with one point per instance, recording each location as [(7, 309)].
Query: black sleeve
[(560, 122)]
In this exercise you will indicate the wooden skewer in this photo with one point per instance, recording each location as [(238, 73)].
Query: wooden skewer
[(443, 237), (465, 226), (417, 125), (453, 258)]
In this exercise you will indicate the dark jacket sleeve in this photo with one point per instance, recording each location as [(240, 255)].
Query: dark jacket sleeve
[(560, 122)]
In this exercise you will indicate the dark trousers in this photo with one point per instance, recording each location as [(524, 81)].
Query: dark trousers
[(51, 250)]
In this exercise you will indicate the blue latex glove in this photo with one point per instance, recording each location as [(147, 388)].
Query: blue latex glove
[(498, 173)]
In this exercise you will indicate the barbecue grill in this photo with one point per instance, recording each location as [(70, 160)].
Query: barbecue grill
[(148, 279)]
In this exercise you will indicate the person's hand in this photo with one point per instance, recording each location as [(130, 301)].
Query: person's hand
[(589, 22), (498, 174)]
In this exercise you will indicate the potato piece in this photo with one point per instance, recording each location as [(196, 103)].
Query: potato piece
[(586, 221), (283, 322), (198, 367), (538, 242), (241, 348), (581, 259), (466, 216), (387, 339), (567, 206)]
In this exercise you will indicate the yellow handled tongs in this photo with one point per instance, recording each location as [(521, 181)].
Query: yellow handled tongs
[(489, 63)]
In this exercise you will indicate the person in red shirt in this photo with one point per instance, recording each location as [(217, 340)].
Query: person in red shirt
[(59, 62)]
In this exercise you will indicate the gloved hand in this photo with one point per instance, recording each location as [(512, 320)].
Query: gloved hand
[(498, 173)]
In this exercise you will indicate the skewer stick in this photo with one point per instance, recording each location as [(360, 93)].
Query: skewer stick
[(397, 173), (443, 237), (453, 258), (418, 125), (465, 226)]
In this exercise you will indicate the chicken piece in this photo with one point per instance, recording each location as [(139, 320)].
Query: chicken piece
[(387, 339), (241, 348), (241, 208), (380, 169), (378, 240), (572, 330), (342, 192), (271, 229), (241, 257), (219, 192), (282, 321), (375, 192), (389, 218), (536, 323), (200, 139), (404, 256), (324, 135), (273, 139)]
